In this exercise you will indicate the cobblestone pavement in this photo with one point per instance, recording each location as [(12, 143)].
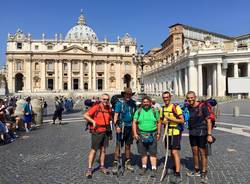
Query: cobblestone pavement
[(58, 154)]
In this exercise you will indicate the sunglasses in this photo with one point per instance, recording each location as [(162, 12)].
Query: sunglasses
[(105, 99)]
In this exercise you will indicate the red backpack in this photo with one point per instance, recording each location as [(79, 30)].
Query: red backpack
[(210, 108)]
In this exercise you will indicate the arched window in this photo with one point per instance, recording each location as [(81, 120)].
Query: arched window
[(36, 66)]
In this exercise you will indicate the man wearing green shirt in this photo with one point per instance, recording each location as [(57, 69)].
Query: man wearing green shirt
[(146, 131)]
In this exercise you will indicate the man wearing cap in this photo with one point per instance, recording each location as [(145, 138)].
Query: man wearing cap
[(123, 117)]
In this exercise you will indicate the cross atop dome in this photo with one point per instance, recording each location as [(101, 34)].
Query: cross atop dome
[(81, 19)]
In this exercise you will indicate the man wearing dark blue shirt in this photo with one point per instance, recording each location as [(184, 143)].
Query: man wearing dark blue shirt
[(200, 133), (123, 117)]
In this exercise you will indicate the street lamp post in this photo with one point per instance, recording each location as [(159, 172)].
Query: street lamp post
[(139, 61)]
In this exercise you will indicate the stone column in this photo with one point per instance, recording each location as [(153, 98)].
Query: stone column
[(11, 76), (105, 76), (81, 75), (28, 76), (248, 72), (214, 80), (60, 73), (186, 80), (236, 72), (192, 77), (209, 81), (248, 69), (200, 82), (118, 76), (56, 74), (180, 83), (176, 83), (94, 75), (69, 76), (90, 75), (164, 86), (220, 91), (43, 75)]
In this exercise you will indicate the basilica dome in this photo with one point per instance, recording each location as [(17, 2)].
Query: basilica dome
[(81, 32)]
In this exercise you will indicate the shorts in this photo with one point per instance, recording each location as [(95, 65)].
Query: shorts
[(27, 118), (127, 136), (57, 114), (199, 141), (174, 142), (99, 140), (144, 148)]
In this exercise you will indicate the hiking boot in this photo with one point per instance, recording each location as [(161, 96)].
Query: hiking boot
[(104, 170), (204, 178), (115, 168), (89, 174), (143, 171), (128, 165), (177, 178), (195, 173), (153, 173)]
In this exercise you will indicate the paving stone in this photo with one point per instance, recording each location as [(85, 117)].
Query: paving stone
[(58, 154)]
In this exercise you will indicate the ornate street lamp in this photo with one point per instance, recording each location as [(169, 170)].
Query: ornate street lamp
[(139, 61)]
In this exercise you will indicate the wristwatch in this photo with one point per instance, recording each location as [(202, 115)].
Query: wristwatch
[(209, 134)]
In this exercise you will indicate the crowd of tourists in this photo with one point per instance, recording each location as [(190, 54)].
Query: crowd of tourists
[(10, 123), (146, 124)]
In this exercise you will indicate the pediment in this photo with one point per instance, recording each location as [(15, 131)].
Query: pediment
[(74, 49)]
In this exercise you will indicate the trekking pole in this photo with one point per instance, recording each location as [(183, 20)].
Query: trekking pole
[(166, 155)]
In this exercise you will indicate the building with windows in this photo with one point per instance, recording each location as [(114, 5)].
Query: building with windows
[(198, 60), (77, 62)]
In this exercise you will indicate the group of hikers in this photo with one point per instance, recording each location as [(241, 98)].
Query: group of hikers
[(146, 125)]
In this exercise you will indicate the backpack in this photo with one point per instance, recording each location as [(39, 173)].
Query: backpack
[(211, 103), (185, 113), (114, 99), (88, 103)]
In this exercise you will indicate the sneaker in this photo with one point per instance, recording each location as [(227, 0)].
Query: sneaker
[(143, 171), (193, 174), (128, 165), (115, 168), (153, 173), (104, 170), (204, 178), (89, 174), (27, 130)]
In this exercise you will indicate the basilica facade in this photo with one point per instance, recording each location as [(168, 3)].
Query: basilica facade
[(78, 61)]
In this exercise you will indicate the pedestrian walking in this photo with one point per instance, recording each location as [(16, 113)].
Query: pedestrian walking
[(27, 114), (172, 118), (146, 131), (123, 116), (200, 133), (99, 116), (58, 111), (44, 107)]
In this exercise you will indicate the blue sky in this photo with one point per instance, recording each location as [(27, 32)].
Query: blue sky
[(146, 20)]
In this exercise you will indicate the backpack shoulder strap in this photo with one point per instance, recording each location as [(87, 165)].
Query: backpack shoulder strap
[(139, 112), (154, 112), (162, 112), (97, 111)]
